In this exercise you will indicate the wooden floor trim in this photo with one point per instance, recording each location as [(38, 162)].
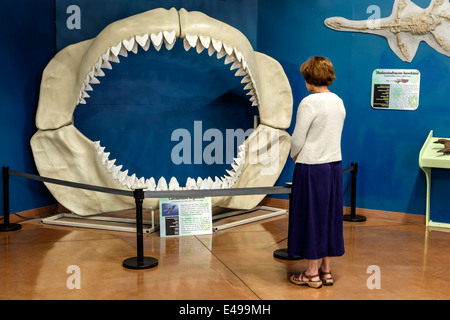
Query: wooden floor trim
[(271, 202), (368, 213), (34, 213)]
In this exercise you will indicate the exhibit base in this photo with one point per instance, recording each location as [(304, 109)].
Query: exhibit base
[(246, 217), (137, 263), (283, 254), (354, 218), (100, 222), (10, 227), (106, 222)]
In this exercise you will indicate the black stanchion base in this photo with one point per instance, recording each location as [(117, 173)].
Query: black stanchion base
[(133, 263), (357, 218), (284, 255), (10, 227)]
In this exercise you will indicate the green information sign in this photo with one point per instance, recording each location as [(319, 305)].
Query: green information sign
[(395, 89), (186, 216)]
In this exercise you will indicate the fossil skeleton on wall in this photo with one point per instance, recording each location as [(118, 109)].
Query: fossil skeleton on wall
[(406, 27)]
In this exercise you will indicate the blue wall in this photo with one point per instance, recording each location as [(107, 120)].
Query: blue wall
[(385, 143), (27, 31)]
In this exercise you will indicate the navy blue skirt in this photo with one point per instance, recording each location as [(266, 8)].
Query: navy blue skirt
[(316, 211)]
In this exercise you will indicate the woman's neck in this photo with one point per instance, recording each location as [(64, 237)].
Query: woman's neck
[(316, 89), (321, 89)]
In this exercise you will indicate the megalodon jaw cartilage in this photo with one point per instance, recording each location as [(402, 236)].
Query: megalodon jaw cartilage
[(61, 151)]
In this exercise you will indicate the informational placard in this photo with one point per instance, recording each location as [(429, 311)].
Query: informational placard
[(395, 89), (187, 216)]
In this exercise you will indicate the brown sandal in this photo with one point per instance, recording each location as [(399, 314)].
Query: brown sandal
[(310, 283), (327, 281)]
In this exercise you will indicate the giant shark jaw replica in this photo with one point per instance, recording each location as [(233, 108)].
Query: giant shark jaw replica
[(63, 152)]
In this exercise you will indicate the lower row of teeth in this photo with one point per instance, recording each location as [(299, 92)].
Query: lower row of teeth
[(133, 182)]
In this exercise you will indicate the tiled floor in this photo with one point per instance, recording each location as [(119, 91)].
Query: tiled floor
[(235, 263)]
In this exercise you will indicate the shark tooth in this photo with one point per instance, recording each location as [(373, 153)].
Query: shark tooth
[(250, 93), (206, 184), (122, 175), (238, 55), (169, 39), (221, 54), (191, 184), (129, 44), (113, 58), (115, 50), (98, 64), (123, 51), (231, 173), (217, 44), (115, 171), (128, 182), (110, 164), (105, 157), (162, 184), (150, 184), (100, 151), (211, 50), (143, 41), (246, 79), (173, 184), (140, 184), (248, 86), (105, 56), (240, 72), (199, 47), (87, 86), (217, 184), (99, 73), (228, 50), (186, 45), (226, 181), (229, 59), (106, 65), (94, 80), (157, 40), (206, 41), (169, 36), (192, 40), (235, 65)]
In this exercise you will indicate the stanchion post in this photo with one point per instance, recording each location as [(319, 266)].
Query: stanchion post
[(283, 254), (352, 217), (139, 262), (6, 226)]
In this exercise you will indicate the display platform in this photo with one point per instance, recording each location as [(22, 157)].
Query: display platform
[(429, 158)]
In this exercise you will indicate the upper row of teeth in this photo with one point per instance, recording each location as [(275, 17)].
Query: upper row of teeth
[(132, 182), (232, 55)]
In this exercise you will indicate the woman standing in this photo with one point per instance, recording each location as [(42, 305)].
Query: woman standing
[(316, 212)]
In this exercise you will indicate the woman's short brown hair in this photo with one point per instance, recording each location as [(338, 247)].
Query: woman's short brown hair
[(318, 71)]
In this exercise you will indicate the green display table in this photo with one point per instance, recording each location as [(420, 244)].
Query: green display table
[(430, 158)]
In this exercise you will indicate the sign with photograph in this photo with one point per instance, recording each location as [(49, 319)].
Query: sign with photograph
[(186, 216), (395, 89)]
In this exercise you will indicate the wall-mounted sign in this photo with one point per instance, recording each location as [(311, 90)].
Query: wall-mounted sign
[(395, 89), (182, 217)]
